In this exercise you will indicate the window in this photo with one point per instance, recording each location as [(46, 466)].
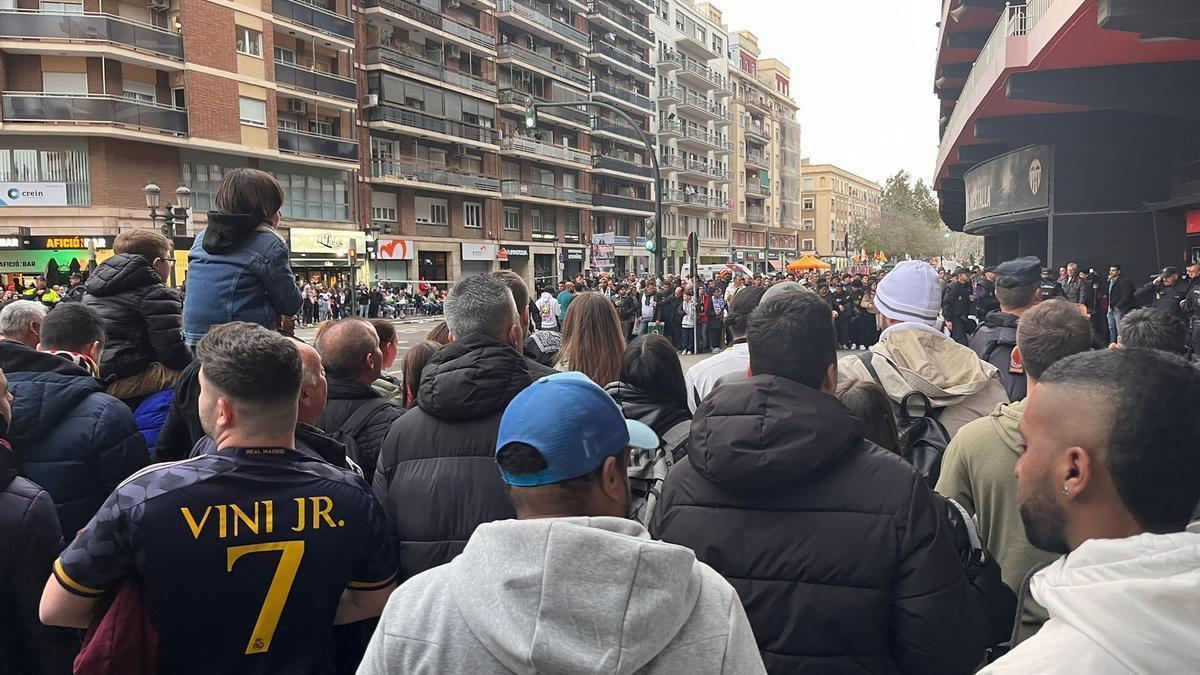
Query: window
[(62, 7), (178, 99), (383, 213), (571, 225), (430, 211), (315, 195), (320, 127), (138, 91), (64, 83), (287, 124), (808, 185), (68, 166), (808, 224), (253, 111), (473, 214), (285, 55), (807, 245), (512, 219), (249, 42), (809, 204)]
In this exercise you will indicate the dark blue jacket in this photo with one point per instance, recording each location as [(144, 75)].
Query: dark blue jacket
[(74, 440)]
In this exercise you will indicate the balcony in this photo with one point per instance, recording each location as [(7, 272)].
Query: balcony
[(425, 171), (516, 188), (669, 93), (319, 145), (699, 73), (669, 59), (545, 150), (604, 14), (543, 23), (94, 109), (672, 162), (703, 106), (758, 130), (392, 57), (702, 136), (315, 81), (756, 159), (624, 95), (692, 199), (91, 27), (696, 41), (323, 20), (617, 128), (424, 16), (618, 165), (755, 215), (522, 99), (414, 119), (618, 202), (754, 100), (669, 128), (758, 190), (629, 62), (573, 75)]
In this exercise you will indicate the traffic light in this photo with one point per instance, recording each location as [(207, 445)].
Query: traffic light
[(531, 120), (651, 235)]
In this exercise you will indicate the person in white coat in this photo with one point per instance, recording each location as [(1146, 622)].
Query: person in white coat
[(1111, 486)]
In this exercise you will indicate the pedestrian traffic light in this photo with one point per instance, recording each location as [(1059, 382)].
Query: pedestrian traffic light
[(651, 235), (531, 120)]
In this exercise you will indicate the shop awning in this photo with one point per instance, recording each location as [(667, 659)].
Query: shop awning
[(776, 264), (808, 263)]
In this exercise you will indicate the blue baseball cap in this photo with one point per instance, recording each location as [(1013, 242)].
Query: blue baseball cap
[(573, 424)]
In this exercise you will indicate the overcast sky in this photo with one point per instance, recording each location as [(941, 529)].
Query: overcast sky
[(862, 72)]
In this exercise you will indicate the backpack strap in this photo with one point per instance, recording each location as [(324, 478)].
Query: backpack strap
[(674, 439), (867, 359), (356, 422)]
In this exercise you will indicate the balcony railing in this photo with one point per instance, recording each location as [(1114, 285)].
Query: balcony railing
[(758, 189), (40, 25), (516, 188), (627, 95), (534, 13), (534, 147), (323, 20), (419, 120), (315, 80), (300, 142), (546, 63), (693, 199), (670, 92), (755, 158), (700, 166), (93, 109), (521, 98), (599, 9), (704, 104), (422, 15), (394, 57), (705, 73), (758, 130), (756, 216), (626, 59), (411, 168), (618, 128), (698, 134), (672, 162), (619, 202), (621, 165)]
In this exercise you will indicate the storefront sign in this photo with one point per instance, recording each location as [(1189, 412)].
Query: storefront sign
[(620, 241), (1193, 222), (10, 242), (1009, 184), (602, 251), (507, 253), (58, 243), (49, 263), (394, 249), (327, 242), (478, 251), (574, 254), (33, 194)]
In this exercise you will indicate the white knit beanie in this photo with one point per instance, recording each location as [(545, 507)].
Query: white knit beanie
[(910, 292)]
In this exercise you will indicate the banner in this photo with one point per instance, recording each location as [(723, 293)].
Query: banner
[(329, 242), (478, 251), (33, 194), (602, 251), (1012, 183), (394, 249)]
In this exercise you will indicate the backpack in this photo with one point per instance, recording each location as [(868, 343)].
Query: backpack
[(923, 439), (649, 468), (354, 424)]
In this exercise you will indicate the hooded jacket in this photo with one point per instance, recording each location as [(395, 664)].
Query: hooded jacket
[(835, 546), (994, 342), (346, 397), (1127, 605), (73, 439), (143, 319), (436, 477), (565, 595), (637, 404), (917, 357), (979, 472), (17, 357)]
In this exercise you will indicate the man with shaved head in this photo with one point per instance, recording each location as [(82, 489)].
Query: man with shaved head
[(1114, 484), (355, 414)]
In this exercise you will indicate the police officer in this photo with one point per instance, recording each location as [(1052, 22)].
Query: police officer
[(1164, 292), (956, 305), (1050, 287), (985, 294), (1191, 304), (1018, 288)]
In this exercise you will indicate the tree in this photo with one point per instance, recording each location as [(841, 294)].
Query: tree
[(909, 224)]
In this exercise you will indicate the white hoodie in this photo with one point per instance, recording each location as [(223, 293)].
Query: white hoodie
[(1117, 606), (548, 309), (565, 595)]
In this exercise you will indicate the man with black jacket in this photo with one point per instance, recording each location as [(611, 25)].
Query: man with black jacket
[(1164, 293), (1017, 290), (627, 309), (874, 584), (956, 305), (985, 296), (1120, 301)]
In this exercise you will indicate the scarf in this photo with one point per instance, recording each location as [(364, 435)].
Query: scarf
[(82, 360)]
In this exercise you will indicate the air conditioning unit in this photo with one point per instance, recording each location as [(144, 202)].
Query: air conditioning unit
[(297, 106), (159, 5), (370, 100), (455, 51)]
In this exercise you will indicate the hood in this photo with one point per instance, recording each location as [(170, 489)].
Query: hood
[(121, 273), (1128, 593), (573, 595), (931, 363), (471, 378), (637, 404), (765, 432), (1001, 319), (1004, 421), (41, 399), (226, 231), (16, 357)]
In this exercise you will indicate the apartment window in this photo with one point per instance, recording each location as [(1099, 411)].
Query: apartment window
[(249, 42), (809, 224), (316, 195), (807, 245), (178, 98), (285, 55), (253, 111), (320, 127), (287, 124), (61, 7), (571, 225), (430, 211), (809, 204), (142, 92), (383, 213), (512, 219), (68, 166), (543, 222), (64, 83), (203, 177), (473, 214), (510, 170)]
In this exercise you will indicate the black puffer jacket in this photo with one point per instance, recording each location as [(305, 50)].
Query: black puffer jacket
[(30, 540), (346, 397), (436, 476), (143, 319), (834, 545), (994, 342), (637, 404), (16, 357)]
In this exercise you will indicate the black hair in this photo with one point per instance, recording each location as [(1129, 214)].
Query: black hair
[(251, 364), (740, 308), (792, 336), (1050, 332), (72, 326), (1151, 328), (1152, 428), (1011, 296), (652, 365)]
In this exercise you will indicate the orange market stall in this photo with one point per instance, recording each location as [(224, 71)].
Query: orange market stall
[(808, 263)]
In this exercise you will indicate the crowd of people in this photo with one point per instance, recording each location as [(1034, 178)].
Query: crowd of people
[(381, 301), (185, 486)]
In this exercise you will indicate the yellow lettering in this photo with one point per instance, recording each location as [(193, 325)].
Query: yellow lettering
[(291, 553), (299, 515), (270, 516), (191, 521), (221, 531), (240, 515), (321, 508)]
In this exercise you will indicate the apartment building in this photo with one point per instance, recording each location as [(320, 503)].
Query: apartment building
[(834, 203), (693, 126), (99, 99), (767, 222)]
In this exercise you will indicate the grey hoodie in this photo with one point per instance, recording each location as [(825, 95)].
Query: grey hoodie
[(565, 595)]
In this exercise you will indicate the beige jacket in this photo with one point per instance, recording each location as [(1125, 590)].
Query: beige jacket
[(914, 357)]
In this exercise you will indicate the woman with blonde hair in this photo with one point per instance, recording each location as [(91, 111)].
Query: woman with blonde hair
[(592, 341)]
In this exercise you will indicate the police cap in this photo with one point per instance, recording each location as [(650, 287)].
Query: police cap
[(1020, 272)]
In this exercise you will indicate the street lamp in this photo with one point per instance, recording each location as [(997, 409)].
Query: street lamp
[(172, 215)]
